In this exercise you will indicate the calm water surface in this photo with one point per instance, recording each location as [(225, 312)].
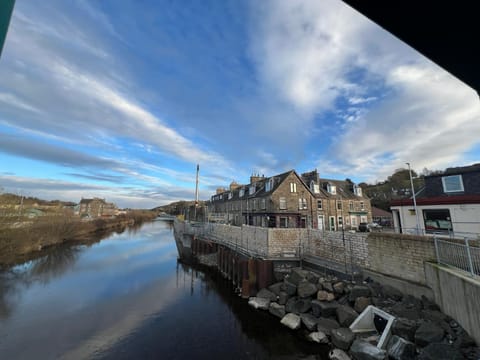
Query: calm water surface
[(128, 297)]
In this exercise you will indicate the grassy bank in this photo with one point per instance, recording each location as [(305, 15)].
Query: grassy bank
[(23, 238)]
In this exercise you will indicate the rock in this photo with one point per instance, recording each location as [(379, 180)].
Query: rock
[(358, 291), (411, 302), (361, 304), (464, 340), (327, 325), (404, 328), (283, 298), (313, 278), (391, 293), (327, 285), (292, 321), (277, 310), (309, 321), (346, 315), (289, 288), (339, 287), (434, 316), (400, 349), (338, 354), (324, 309), (318, 337), (375, 289), (429, 304), (362, 350), (438, 351), (276, 288), (322, 295), (267, 294), (402, 310), (297, 275), (306, 289), (259, 303), (279, 275), (427, 333), (342, 338), (298, 305)]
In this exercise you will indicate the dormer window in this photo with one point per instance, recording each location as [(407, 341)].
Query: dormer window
[(251, 189), (241, 192), (332, 189), (314, 187), (357, 190), (269, 185), (230, 195), (452, 183)]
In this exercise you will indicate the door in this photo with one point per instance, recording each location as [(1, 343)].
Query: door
[(320, 222), (332, 223)]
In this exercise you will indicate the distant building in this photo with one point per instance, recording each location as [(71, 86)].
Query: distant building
[(448, 203), (382, 217), (96, 207)]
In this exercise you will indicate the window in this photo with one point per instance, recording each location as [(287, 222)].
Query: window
[(293, 187), (230, 195), (251, 190), (263, 204), (437, 220), (302, 203), (242, 192), (350, 205), (269, 185), (357, 190), (283, 222), (332, 189), (319, 204), (254, 207), (452, 183), (362, 205), (339, 205), (354, 221), (340, 221), (283, 203)]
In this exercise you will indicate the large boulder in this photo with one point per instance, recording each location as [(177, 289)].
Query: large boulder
[(297, 276), (309, 321), (323, 295), (392, 293), (338, 354), (405, 328), (400, 349), (362, 350), (267, 294), (283, 297), (428, 333), (289, 287), (306, 289), (361, 303), (358, 291), (342, 338), (346, 315), (405, 311), (324, 308), (327, 325), (276, 288), (318, 337), (438, 351), (339, 287), (313, 278), (259, 303), (298, 305), (277, 310), (327, 285), (292, 321), (428, 304)]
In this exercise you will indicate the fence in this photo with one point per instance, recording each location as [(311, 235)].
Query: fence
[(461, 255)]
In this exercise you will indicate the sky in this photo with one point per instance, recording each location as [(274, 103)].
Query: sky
[(121, 99)]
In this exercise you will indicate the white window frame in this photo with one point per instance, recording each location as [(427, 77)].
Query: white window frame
[(251, 190), (319, 205), (282, 203), (332, 189), (302, 203), (269, 185), (339, 205), (263, 203), (293, 187), (362, 205), (241, 192), (460, 182)]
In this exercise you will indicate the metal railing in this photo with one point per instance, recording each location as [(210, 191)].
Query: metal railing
[(462, 255)]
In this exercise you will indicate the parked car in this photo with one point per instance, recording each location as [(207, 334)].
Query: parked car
[(367, 227)]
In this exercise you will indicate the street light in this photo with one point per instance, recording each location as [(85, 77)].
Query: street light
[(414, 199)]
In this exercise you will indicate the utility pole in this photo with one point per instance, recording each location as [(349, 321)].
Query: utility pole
[(414, 201)]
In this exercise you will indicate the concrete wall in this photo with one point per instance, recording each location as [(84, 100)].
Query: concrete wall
[(457, 295), (399, 255)]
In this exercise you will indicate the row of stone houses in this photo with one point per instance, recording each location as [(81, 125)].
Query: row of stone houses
[(289, 200), (96, 207)]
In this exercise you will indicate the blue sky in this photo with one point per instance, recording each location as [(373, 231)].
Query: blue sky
[(121, 99)]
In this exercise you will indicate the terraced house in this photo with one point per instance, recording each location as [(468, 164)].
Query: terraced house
[(288, 200)]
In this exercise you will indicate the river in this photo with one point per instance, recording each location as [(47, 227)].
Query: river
[(128, 297)]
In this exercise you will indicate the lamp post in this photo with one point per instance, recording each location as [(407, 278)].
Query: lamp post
[(414, 200)]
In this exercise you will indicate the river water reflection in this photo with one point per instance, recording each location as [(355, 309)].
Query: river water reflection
[(128, 297)]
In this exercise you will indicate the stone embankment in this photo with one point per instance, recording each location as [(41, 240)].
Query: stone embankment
[(324, 307)]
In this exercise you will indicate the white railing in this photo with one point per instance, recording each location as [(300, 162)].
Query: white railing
[(459, 254)]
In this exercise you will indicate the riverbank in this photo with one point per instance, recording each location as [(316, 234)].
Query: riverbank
[(29, 239)]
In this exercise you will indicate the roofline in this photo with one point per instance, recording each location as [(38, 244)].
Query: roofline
[(439, 200)]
